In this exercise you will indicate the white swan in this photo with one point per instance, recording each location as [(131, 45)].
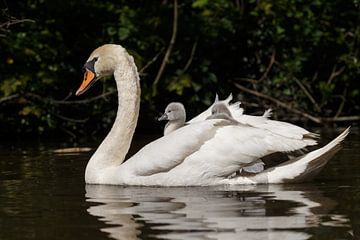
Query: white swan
[(202, 153)]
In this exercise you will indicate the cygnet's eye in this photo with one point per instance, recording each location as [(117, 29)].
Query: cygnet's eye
[(169, 111)]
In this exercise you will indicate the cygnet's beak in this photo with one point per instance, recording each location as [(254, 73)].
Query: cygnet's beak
[(163, 117)]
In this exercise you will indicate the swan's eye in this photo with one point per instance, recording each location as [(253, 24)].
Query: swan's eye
[(90, 65)]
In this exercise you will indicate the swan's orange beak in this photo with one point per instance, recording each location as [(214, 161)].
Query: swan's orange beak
[(89, 79)]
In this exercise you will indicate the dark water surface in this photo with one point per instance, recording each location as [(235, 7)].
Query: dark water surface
[(43, 196)]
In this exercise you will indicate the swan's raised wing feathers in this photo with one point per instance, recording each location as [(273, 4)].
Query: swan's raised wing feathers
[(209, 149)]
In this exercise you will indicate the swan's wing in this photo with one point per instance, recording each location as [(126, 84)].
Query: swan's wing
[(233, 147), (280, 128), (285, 129), (207, 150), (169, 151)]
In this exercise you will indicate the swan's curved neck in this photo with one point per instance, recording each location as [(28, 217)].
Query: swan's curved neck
[(115, 146)]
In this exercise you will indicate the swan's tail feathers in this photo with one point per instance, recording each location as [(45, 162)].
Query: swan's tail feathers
[(303, 168), (216, 98), (235, 106), (235, 109), (228, 99), (267, 113), (311, 135)]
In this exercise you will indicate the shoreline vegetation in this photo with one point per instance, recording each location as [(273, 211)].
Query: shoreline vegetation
[(300, 59)]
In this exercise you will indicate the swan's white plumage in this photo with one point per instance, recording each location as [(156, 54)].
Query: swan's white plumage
[(298, 170), (202, 153), (207, 151)]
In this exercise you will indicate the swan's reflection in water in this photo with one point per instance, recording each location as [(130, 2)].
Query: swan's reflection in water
[(242, 212)]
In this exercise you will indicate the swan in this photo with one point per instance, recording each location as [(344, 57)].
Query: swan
[(203, 153)]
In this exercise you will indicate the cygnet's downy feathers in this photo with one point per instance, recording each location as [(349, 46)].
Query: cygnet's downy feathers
[(221, 111), (175, 114)]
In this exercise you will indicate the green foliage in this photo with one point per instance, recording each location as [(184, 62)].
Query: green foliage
[(315, 46), (312, 42)]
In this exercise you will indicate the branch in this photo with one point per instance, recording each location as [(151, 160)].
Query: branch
[(278, 102), (242, 8), (307, 93), (151, 61), (272, 60), (342, 119), (68, 119), (297, 111), (192, 54), (335, 73), (303, 88), (14, 21), (48, 100), (73, 135), (57, 102), (169, 49), (342, 104), (8, 98), (249, 80), (68, 96), (4, 27), (61, 102)]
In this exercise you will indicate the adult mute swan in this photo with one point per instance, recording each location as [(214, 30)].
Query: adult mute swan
[(202, 153)]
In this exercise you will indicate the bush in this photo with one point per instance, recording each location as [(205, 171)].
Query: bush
[(303, 55)]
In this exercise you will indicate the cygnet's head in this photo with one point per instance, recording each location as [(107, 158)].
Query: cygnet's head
[(220, 108), (175, 111)]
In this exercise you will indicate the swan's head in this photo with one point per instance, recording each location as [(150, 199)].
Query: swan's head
[(102, 62), (174, 112), (220, 107)]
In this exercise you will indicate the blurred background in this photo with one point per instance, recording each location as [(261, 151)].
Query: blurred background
[(300, 58)]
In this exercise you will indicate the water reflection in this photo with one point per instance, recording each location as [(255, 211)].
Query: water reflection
[(237, 212)]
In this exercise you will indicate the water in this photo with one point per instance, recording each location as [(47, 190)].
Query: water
[(43, 196)]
